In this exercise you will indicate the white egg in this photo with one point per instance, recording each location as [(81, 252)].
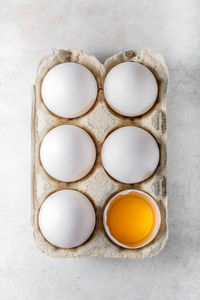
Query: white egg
[(130, 89), (67, 153), (69, 90), (130, 154), (67, 218)]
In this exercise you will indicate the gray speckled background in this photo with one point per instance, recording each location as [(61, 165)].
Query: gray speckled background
[(28, 29)]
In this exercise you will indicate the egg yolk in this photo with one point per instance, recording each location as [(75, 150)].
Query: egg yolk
[(131, 219)]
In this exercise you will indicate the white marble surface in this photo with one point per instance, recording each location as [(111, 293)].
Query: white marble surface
[(28, 30)]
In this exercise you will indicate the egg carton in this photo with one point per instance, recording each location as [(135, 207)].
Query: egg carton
[(99, 121)]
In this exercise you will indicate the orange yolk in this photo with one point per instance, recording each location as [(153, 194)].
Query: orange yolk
[(131, 219)]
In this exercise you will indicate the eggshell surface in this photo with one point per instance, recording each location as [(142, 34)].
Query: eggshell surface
[(67, 218), (130, 89), (67, 153), (69, 90), (130, 154)]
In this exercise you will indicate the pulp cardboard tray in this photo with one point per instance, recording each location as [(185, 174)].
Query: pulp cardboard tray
[(99, 122)]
